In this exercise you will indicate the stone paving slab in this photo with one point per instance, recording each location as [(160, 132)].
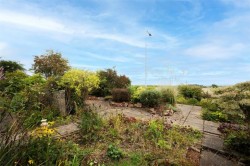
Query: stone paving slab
[(198, 126), (194, 120), (209, 158), (211, 127), (212, 141), (67, 129)]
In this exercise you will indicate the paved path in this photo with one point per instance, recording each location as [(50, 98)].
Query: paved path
[(212, 153)]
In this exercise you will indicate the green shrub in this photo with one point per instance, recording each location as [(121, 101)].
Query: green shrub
[(32, 119), (239, 141), (109, 79), (135, 92), (114, 152), (190, 91), (13, 82), (181, 100), (168, 96), (120, 95), (150, 98), (209, 104), (192, 101), (90, 125), (214, 116), (205, 95), (155, 130)]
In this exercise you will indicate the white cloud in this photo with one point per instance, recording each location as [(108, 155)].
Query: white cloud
[(238, 3), (215, 51), (224, 39), (107, 58), (32, 21)]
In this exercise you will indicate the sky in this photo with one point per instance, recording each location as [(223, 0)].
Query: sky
[(193, 41)]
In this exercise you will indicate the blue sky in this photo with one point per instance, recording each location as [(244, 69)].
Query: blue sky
[(193, 41)]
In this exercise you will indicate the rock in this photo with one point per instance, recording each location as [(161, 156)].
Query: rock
[(168, 112), (152, 111), (138, 105), (130, 105)]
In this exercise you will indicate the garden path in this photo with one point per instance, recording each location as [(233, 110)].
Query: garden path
[(212, 153)]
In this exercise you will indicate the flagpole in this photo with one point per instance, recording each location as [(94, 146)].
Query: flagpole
[(145, 62), (146, 74)]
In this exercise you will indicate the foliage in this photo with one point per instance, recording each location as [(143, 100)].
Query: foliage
[(80, 80), (114, 152), (13, 82), (90, 125), (155, 130), (50, 64), (11, 66), (230, 106), (150, 98), (40, 148), (214, 116), (181, 100), (190, 91), (168, 96), (135, 92), (245, 107), (77, 84), (1, 73), (192, 101), (205, 95), (109, 79), (120, 95), (239, 141), (214, 86)]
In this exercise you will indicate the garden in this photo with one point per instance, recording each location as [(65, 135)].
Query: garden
[(60, 94)]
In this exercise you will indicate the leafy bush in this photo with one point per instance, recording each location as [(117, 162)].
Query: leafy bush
[(80, 80), (13, 83), (214, 116), (209, 104), (190, 91), (135, 92), (120, 95), (150, 98), (77, 84), (239, 141), (205, 95), (192, 101), (90, 125), (181, 100), (155, 130), (109, 79), (114, 152), (168, 96)]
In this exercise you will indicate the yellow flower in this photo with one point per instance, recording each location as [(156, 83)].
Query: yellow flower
[(31, 162)]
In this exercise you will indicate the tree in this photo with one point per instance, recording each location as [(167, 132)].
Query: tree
[(110, 80), (50, 64), (10, 66)]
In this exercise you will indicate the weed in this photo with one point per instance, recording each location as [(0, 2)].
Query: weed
[(114, 152)]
